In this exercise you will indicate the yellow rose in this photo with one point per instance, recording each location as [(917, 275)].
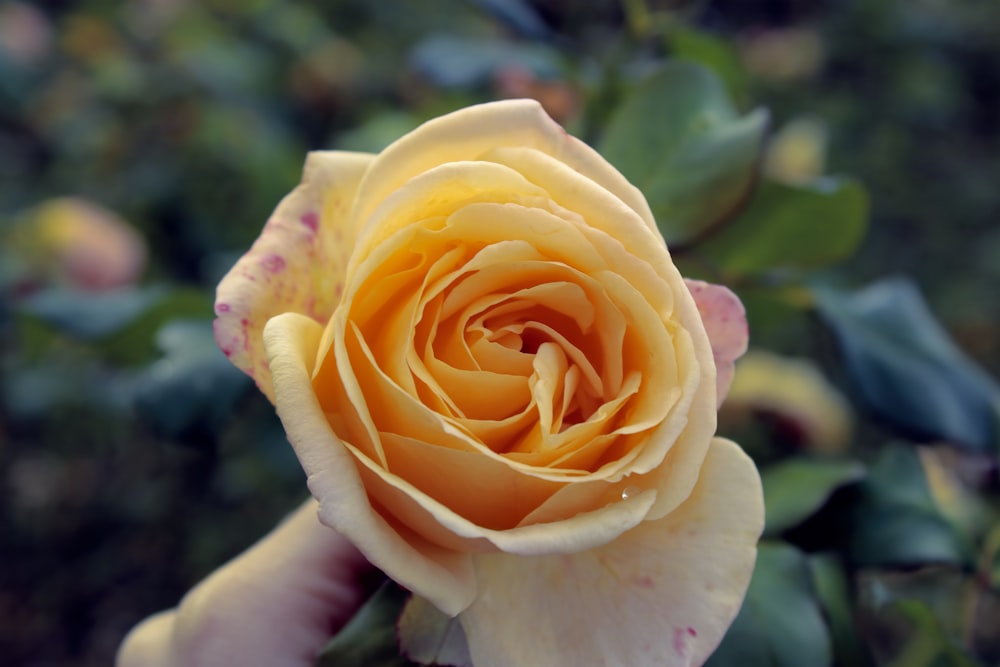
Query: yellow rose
[(503, 391)]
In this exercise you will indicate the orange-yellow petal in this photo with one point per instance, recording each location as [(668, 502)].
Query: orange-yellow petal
[(443, 576)]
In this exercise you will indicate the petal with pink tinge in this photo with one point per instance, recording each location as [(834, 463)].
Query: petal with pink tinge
[(725, 321), (297, 265)]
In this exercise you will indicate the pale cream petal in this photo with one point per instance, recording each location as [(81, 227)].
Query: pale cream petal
[(443, 576), (725, 321), (434, 194), (575, 190), (297, 264), (662, 594), (471, 132)]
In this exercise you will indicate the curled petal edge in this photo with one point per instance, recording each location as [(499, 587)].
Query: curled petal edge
[(296, 265)]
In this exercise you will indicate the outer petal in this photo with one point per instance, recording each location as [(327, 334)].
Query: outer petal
[(662, 594), (468, 134), (442, 576), (726, 323), (297, 265)]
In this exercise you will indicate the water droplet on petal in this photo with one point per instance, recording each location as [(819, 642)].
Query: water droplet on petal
[(630, 492)]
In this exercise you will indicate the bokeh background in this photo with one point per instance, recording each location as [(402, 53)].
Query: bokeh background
[(144, 143)]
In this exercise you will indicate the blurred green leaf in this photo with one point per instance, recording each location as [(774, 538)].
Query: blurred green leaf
[(907, 370), (192, 384), (716, 53), (792, 227), (452, 61), (781, 623), (678, 137), (521, 16), (796, 488), (928, 645), (119, 326), (896, 522), (991, 558), (369, 638), (92, 315), (916, 618), (431, 637), (833, 589), (378, 131), (962, 614)]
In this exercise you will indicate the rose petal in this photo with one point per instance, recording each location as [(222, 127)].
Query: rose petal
[(600, 207), (663, 593), (442, 576), (468, 133), (725, 321), (297, 265)]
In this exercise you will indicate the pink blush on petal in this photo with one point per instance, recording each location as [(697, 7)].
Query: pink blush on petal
[(274, 263), (681, 641), (310, 220)]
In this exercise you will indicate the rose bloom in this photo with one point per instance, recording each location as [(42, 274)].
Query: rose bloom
[(504, 393)]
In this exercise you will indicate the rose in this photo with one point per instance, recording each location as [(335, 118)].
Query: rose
[(504, 393)]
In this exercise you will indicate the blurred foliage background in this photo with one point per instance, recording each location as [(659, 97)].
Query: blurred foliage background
[(144, 143)]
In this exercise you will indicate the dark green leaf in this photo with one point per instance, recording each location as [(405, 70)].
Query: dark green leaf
[(711, 51), (788, 227), (917, 617), (430, 637), (959, 612), (451, 61), (92, 315), (369, 638), (896, 521), (907, 370), (796, 488), (192, 384), (519, 15), (780, 623), (927, 644), (991, 558), (378, 131), (678, 137), (834, 592)]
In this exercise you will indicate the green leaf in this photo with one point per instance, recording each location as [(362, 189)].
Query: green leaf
[(896, 522), (711, 51), (520, 15), (928, 645), (907, 370), (920, 617), (788, 227), (92, 315), (192, 384), (833, 589), (378, 131), (957, 613), (678, 137), (991, 558), (794, 489), (430, 637), (119, 324), (451, 61), (781, 623), (369, 638)]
